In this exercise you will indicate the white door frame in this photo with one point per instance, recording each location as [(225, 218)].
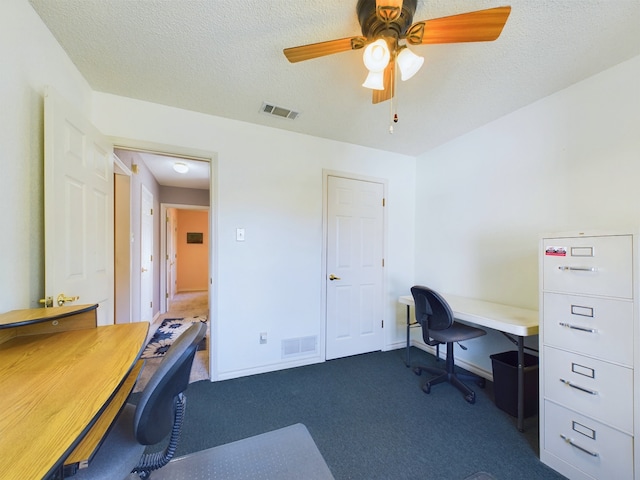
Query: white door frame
[(325, 245)]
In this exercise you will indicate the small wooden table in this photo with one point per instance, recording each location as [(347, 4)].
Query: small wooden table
[(520, 322), (59, 373)]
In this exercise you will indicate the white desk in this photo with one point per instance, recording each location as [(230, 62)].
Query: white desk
[(520, 322)]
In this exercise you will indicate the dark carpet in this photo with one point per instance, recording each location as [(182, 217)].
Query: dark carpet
[(370, 420)]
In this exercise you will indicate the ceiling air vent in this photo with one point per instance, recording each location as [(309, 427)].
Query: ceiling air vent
[(271, 109)]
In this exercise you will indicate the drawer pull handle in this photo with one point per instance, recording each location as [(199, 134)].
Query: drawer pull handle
[(577, 269), (575, 327), (570, 442), (578, 387)]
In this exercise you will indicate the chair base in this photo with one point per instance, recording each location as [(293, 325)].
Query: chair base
[(449, 375)]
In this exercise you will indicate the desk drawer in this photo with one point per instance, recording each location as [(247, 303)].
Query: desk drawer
[(598, 327), (592, 387), (589, 265), (596, 449)]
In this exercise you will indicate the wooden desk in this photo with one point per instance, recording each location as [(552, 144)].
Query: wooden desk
[(56, 385), (519, 322)]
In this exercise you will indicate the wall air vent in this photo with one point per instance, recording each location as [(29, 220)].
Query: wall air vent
[(271, 109), (294, 347)]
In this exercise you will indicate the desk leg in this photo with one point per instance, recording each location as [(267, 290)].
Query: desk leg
[(408, 360), (521, 383)]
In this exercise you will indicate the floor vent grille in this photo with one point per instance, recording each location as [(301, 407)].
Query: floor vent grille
[(271, 109), (293, 347)]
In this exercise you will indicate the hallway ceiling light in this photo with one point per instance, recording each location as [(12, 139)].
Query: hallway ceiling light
[(181, 167)]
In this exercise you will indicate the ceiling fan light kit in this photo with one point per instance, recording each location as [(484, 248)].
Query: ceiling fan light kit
[(376, 56), (409, 63), (374, 80), (386, 23)]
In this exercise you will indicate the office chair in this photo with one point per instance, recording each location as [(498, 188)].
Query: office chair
[(435, 316), (158, 413)]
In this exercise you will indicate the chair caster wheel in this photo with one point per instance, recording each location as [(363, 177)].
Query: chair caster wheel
[(417, 371), (471, 398), (426, 388)]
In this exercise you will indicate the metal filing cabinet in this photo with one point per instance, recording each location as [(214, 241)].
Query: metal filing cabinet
[(588, 350)]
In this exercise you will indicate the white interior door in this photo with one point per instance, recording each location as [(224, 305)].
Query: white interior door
[(78, 201), (173, 255), (355, 222), (146, 255)]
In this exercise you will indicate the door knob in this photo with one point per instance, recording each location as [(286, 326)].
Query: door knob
[(144, 270), (62, 299), (332, 277)]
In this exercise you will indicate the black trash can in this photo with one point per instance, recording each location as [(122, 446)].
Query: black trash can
[(505, 382)]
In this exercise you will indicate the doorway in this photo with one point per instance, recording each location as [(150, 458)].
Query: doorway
[(154, 172), (185, 244)]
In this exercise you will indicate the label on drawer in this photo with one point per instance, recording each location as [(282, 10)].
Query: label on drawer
[(556, 251), (582, 370)]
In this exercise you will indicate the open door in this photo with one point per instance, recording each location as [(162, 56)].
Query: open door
[(78, 197)]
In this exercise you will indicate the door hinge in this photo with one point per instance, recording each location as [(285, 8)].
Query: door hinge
[(382, 323), (150, 304), (166, 295), (151, 258), (151, 211), (383, 262), (384, 202)]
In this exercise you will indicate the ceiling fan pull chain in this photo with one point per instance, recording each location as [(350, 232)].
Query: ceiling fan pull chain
[(393, 102)]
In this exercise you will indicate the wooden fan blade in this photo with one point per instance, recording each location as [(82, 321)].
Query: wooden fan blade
[(315, 50), (389, 85), (479, 26)]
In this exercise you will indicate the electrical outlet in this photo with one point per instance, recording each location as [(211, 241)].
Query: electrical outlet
[(263, 338)]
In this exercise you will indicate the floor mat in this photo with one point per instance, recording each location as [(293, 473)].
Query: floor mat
[(285, 454), (168, 331), (480, 476)]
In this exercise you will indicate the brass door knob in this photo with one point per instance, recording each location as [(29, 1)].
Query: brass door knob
[(332, 277)]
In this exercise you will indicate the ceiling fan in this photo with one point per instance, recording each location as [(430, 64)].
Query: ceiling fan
[(386, 23)]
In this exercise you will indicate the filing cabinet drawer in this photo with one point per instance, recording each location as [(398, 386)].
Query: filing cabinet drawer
[(589, 265), (592, 387), (593, 448), (599, 327)]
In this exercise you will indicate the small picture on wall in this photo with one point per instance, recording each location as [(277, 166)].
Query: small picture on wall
[(194, 237)]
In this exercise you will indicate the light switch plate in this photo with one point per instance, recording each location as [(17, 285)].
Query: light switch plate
[(240, 234)]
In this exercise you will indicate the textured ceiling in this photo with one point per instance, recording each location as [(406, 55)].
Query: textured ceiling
[(224, 58)]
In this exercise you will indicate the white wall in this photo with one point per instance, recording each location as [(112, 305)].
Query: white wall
[(568, 162), (269, 182), (30, 58)]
